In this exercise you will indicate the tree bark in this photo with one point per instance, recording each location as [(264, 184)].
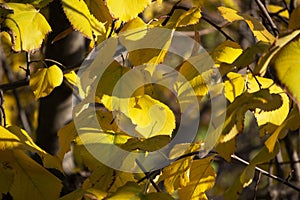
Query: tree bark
[(55, 110)]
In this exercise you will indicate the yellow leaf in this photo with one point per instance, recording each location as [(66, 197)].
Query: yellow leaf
[(294, 19), (81, 19), (286, 67), (292, 122), (234, 86), (66, 135), (14, 137), (268, 55), (176, 175), (44, 80), (182, 18), (258, 30), (274, 9), (71, 77), (130, 190), (150, 116), (202, 178), (227, 52), (237, 84), (127, 9), (28, 26), (28, 175)]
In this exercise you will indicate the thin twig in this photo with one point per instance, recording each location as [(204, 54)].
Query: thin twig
[(146, 173), (22, 113), (205, 18), (266, 14), (266, 173), (170, 13)]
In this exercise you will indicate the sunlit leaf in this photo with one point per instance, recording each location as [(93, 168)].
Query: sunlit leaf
[(237, 84), (234, 122), (100, 11), (286, 67), (258, 30), (202, 178), (127, 9), (28, 26), (267, 56), (79, 16), (226, 52), (292, 122), (71, 77), (150, 116), (182, 18), (29, 176), (282, 11), (44, 80)]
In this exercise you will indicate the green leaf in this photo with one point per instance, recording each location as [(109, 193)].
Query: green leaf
[(28, 176), (286, 67), (81, 19), (202, 178), (28, 26), (258, 30), (44, 80), (127, 9), (247, 176)]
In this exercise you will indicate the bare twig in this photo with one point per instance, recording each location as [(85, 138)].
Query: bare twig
[(147, 174), (266, 14), (267, 173), (205, 18), (22, 113)]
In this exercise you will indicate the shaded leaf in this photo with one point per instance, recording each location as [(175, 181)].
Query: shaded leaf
[(14, 137), (44, 80), (130, 190), (294, 19), (29, 176), (66, 135)]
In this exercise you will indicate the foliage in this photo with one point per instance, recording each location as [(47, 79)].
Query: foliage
[(259, 78)]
